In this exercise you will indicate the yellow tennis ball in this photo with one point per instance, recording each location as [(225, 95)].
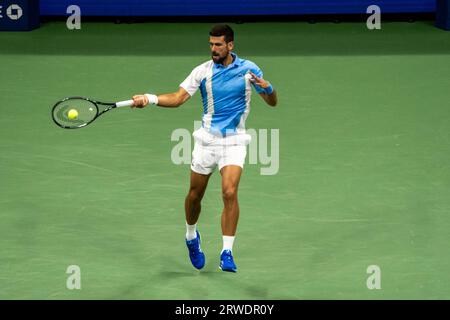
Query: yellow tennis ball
[(72, 114)]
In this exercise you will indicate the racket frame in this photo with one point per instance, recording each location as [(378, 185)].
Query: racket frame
[(109, 106)]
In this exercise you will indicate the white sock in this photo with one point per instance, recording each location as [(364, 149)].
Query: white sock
[(191, 231), (227, 243)]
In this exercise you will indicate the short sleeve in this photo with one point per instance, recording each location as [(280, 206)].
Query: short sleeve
[(192, 82), (256, 70)]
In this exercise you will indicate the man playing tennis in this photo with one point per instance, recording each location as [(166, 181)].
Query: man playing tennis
[(225, 84)]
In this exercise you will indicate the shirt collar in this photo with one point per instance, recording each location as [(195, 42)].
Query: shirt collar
[(236, 62)]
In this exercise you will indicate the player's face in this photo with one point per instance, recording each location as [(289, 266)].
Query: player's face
[(219, 48)]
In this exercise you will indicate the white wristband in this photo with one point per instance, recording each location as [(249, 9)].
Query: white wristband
[(152, 99)]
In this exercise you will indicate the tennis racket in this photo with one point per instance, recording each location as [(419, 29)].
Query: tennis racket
[(78, 112)]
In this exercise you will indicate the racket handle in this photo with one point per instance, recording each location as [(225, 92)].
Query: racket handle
[(127, 103)]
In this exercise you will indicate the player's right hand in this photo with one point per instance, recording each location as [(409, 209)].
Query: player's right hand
[(140, 101)]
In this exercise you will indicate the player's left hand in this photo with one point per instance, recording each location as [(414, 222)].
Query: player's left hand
[(259, 81)]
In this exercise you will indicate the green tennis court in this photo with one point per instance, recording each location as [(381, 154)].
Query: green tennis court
[(363, 179)]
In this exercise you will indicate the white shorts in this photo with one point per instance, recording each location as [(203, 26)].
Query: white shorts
[(211, 152)]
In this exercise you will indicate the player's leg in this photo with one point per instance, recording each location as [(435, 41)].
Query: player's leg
[(231, 175), (192, 204), (230, 165), (201, 169)]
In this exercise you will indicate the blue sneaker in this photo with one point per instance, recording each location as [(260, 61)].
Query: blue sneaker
[(227, 262), (195, 252)]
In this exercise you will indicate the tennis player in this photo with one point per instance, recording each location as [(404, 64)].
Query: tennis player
[(225, 84)]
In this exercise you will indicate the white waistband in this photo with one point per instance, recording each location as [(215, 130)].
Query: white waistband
[(207, 139)]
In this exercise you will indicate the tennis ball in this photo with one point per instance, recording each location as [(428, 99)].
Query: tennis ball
[(72, 114)]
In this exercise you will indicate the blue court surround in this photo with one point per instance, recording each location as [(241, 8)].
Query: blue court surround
[(233, 7)]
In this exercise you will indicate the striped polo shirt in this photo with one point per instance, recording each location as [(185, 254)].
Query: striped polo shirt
[(226, 94)]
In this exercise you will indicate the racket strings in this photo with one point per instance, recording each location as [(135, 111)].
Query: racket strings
[(74, 113)]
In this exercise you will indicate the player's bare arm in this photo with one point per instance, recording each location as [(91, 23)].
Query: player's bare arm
[(169, 100), (270, 99)]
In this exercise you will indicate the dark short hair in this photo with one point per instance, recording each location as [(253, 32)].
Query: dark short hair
[(222, 30)]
